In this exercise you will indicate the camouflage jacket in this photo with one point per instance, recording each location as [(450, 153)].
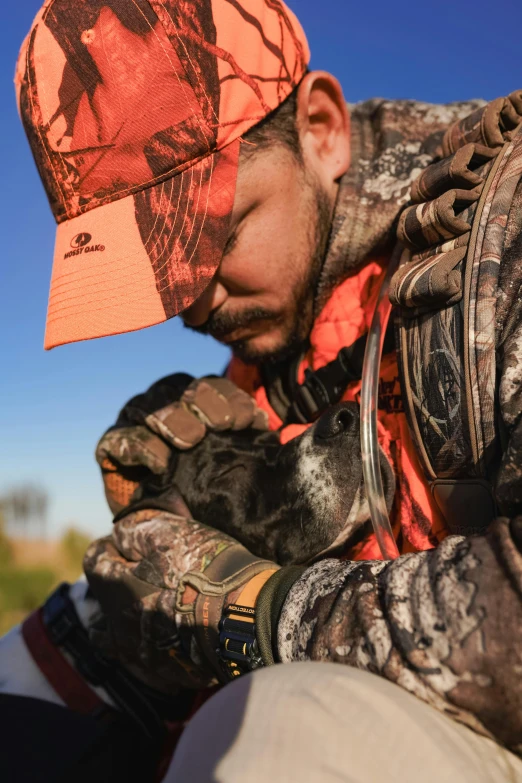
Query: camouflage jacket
[(445, 624)]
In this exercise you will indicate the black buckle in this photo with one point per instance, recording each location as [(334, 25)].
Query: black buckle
[(324, 387), (310, 398), (65, 629), (57, 615), (238, 648)]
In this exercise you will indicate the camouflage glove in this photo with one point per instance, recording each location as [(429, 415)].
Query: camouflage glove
[(163, 582), (174, 412)]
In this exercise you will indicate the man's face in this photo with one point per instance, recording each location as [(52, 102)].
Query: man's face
[(260, 302)]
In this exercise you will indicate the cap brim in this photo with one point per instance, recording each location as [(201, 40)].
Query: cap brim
[(144, 258)]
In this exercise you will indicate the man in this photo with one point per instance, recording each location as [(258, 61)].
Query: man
[(195, 166)]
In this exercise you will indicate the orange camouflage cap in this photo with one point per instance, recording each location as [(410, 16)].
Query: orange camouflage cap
[(134, 110)]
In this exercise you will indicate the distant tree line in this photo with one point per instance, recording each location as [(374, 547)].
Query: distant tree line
[(23, 587), (25, 510)]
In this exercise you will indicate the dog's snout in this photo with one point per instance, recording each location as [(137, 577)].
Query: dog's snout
[(342, 419)]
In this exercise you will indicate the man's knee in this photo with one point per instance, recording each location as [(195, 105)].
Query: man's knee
[(311, 721)]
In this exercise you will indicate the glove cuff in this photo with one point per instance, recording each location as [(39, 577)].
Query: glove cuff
[(268, 609), (220, 581)]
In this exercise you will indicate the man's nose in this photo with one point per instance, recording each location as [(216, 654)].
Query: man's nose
[(211, 298)]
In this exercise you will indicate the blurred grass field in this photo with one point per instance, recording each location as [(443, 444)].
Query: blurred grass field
[(30, 568)]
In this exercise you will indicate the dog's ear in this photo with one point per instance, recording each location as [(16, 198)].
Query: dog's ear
[(388, 479)]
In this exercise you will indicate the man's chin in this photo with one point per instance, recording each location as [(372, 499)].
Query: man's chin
[(267, 340), (264, 348)]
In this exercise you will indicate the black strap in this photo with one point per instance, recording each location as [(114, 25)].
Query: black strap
[(67, 632), (280, 382), (324, 387), (238, 650)]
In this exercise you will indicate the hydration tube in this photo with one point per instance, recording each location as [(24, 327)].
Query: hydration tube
[(369, 399)]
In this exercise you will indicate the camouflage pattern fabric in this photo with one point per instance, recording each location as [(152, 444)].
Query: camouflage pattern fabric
[(428, 282), (445, 625), (451, 401), (162, 582), (508, 334), (487, 260), (392, 143), (436, 221), (460, 170), (489, 125)]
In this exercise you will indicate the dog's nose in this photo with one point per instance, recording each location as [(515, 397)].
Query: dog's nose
[(342, 419)]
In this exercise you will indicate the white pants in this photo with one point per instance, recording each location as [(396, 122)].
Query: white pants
[(323, 722)]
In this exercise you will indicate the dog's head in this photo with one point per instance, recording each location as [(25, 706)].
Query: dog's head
[(288, 502)]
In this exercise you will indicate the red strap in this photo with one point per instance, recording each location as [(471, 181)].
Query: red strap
[(68, 684)]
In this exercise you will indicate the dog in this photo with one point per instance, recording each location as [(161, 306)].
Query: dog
[(291, 503)]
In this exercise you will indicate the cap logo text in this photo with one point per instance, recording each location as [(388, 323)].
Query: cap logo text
[(80, 243)]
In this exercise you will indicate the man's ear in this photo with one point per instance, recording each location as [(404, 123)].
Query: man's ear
[(324, 126)]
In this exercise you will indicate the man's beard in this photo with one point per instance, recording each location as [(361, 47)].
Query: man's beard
[(299, 324)]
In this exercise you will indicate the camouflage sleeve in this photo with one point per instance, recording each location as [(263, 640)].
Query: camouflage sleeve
[(445, 625)]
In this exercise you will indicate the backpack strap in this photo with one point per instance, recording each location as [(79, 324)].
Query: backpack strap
[(59, 673), (304, 402), (324, 387), (445, 294)]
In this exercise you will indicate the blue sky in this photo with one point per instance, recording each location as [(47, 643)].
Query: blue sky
[(54, 405)]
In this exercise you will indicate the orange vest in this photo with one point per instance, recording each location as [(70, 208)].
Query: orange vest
[(416, 521)]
